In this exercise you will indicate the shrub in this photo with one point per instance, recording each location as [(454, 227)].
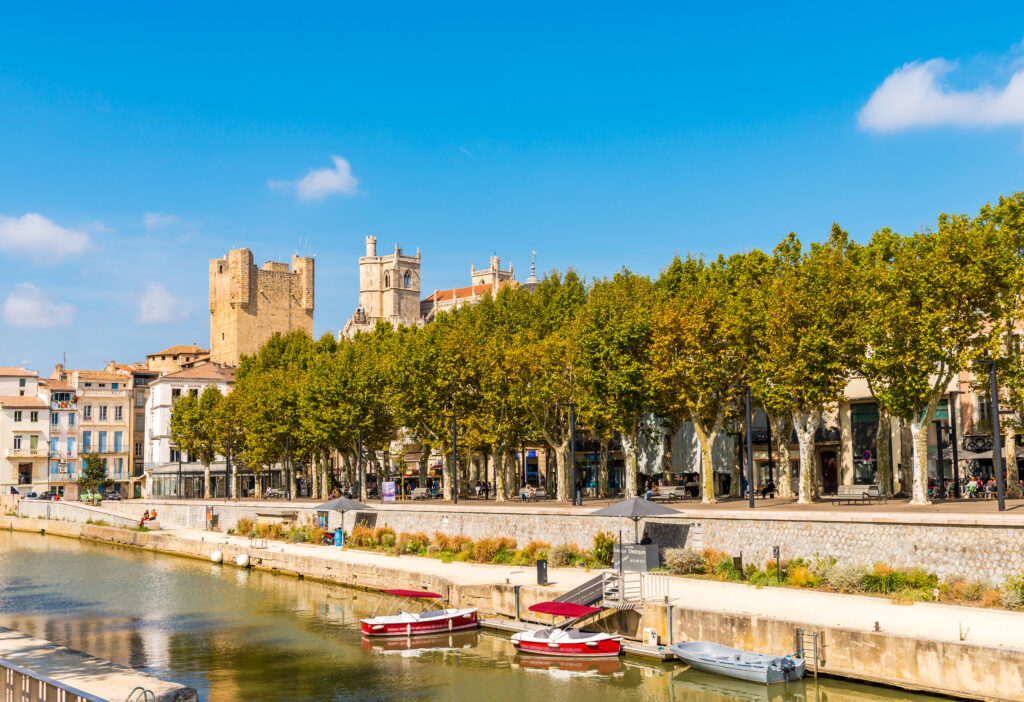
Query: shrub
[(910, 594), (969, 591), (683, 561), (727, 571), (844, 578), (384, 536), (922, 580), (564, 555), (800, 576), (1013, 592), (604, 548), (411, 543), (316, 534), (245, 525), (883, 579), (296, 535), (487, 550), (761, 578), (991, 598), (442, 541), (535, 550), (712, 558), (362, 536)]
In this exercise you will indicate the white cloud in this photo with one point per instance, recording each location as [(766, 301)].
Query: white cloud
[(916, 95), (158, 220), (157, 305), (37, 237), (29, 306), (321, 182)]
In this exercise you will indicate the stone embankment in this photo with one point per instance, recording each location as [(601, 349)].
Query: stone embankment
[(977, 545), (908, 652), (74, 669)]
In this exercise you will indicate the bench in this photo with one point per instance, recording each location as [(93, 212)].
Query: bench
[(420, 494), (672, 493), (538, 494), (857, 493)]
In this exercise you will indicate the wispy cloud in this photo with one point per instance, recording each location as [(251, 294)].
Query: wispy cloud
[(464, 150), (29, 306), (321, 182), (157, 305), (917, 95), (40, 239), (158, 220)]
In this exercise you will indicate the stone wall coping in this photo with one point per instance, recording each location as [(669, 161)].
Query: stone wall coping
[(848, 514)]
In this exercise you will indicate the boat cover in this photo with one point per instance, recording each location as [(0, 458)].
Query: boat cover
[(563, 609)]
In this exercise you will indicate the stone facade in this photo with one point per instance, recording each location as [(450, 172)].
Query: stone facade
[(389, 289), (249, 304)]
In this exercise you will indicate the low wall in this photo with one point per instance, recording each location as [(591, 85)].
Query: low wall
[(72, 512), (978, 546)]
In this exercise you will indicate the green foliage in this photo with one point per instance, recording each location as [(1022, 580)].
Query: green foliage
[(883, 579), (604, 548), (94, 473), (1013, 592), (683, 561), (565, 555)]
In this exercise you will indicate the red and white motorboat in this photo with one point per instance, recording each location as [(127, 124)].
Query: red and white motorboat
[(427, 621), (564, 640)]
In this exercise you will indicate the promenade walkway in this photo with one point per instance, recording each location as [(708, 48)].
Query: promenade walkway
[(921, 620)]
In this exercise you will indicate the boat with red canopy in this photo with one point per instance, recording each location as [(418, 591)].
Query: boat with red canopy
[(564, 639), (410, 623)]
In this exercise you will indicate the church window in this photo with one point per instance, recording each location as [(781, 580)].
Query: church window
[(408, 279), (387, 279)]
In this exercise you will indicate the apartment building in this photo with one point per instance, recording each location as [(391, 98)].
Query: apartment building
[(104, 417), (62, 453), (23, 431)]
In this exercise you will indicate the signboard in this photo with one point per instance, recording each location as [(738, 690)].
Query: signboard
[(866, 456), (388, 491), (531, 454)]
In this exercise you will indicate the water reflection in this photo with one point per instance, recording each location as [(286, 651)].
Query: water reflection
[(250, 635)]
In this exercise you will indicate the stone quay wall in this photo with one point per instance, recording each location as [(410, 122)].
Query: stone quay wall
[(976, 546)]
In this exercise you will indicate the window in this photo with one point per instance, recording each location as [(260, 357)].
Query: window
[(71, 445), (71, 468), (17, 443), (54, 418), (175, 395), (103, 385), (138, 449), (140, 422), (175, 455), (118, 413), (21, 383), (140, 399), (54, 467), (117, 442), (87, 441), (104, 466), (53, 445), (407, 279), (33, 416), (21, 393), (119, 467), (103, 413), (87, 412), (17, 415), (71, 421), (33, 442), (387, 279), (101, 437), (113, 386), (88, 385)]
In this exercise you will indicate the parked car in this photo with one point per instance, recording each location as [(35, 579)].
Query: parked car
[(90, 496), (49, 495), (111, 495)]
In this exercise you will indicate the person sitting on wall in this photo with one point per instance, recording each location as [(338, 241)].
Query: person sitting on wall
[(768, 490)]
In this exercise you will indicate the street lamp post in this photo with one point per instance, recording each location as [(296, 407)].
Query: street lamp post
[(750, 447), (997, 437), (953, 441), (572, 450), (455, 460), (359, 459), (940, 468), (179, 472)]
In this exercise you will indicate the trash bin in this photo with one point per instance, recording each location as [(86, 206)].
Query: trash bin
[(339, 537), (542, 572)]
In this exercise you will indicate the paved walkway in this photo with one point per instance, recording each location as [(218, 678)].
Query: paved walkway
[(923, 620)]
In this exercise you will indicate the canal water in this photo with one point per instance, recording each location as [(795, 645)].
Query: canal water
[(248, 635)]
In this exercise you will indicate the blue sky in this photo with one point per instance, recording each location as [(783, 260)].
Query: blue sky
[(599, 135)]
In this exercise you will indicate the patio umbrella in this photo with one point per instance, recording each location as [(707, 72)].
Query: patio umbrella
[(961, 454), (987, 455), (634, 508), (341, 504)]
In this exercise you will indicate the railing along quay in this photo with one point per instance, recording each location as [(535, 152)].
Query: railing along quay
[(24, 685)]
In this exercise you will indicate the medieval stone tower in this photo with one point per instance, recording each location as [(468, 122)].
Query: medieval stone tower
[(389, 289), (248, 304)]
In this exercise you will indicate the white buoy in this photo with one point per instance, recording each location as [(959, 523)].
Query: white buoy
[(242, 560), (216, 556)]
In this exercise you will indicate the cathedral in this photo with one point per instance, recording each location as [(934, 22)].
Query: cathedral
[(389, 289)]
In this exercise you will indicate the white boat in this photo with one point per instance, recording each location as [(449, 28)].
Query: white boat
[(737, 663), (430, 621), (564, 641)]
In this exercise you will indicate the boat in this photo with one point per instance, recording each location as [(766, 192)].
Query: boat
[(737, 663), (564, 640), (410, 623), (422, 642), (590, 666)]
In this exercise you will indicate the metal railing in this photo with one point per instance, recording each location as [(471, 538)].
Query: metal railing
[(27, 453), (633, 587), (63, 405), (21, 684), (655, 586)]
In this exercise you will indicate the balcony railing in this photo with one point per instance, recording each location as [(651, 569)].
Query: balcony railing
[(86, 393), (26, 453), (64, 455), (63, 405)]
